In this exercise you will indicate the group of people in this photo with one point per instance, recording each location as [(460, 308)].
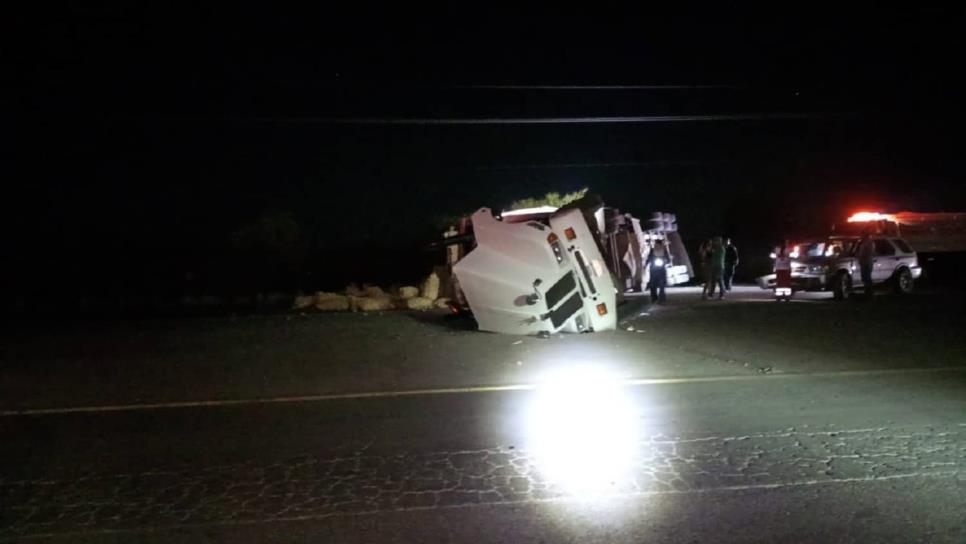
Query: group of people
[(719, 258)]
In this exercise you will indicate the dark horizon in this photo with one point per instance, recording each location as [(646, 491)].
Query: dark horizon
[(160, 150)]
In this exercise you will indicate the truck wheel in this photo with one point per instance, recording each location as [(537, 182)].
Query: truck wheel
[(903, 282), (842, 286)]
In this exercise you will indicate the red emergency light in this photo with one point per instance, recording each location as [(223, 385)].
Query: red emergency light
[(864, 217)]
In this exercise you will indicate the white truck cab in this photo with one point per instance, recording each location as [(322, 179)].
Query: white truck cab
[(529, 277)]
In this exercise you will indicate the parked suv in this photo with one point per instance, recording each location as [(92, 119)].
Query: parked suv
[(831, 264)]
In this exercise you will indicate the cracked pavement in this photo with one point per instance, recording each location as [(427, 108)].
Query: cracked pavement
[(310, 487), (854, 449)]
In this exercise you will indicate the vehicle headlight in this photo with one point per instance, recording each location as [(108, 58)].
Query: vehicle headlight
[(659, 262)]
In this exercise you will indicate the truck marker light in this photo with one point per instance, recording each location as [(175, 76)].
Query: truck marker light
[(601, 309), (569, 233), (551, 238)]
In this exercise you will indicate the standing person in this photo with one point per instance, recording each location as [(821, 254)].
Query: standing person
[(783, 273), (730, 263), (717, 267), (657, 262), (705, 253), (866, 254)]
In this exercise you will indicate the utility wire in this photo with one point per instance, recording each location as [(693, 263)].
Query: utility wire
[(592, 87), (532, 120), (576, 165)]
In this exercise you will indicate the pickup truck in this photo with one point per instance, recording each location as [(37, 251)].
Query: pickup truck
[(831, 264)]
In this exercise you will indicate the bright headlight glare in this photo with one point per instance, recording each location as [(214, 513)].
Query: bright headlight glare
[(582, 430)]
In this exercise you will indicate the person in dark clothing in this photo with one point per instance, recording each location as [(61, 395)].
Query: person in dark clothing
[(657, 261), (717, 267), (731, 261), (866, 254), (705, 254)]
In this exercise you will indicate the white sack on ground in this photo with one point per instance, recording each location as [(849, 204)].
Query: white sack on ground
[(431, 287), (303, 301), (330, 302), (419, 303), (373, 304), (408, 292), (373, 291)]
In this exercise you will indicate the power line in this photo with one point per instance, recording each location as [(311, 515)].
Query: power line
[(533, 120), (577, 165), (593, 87)]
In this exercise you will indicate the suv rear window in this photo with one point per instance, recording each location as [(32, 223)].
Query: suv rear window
[(883, 247), (902, 245)]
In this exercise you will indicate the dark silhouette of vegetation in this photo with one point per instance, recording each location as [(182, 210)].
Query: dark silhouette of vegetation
[(554, 199)]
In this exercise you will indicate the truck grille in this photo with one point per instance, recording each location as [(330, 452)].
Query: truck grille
[(560, 289), (560, 316)]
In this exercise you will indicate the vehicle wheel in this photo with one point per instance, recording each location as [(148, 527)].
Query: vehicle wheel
[(842, 288), (903, 281)]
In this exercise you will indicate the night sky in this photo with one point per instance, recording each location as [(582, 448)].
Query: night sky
[(145, 138)]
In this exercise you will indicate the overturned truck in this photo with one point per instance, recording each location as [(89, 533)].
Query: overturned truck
[(548, 270)]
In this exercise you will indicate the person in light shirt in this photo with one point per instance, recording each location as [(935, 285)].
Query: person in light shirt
[(783, 272)]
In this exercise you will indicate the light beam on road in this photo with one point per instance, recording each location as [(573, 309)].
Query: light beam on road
[(583, 429)]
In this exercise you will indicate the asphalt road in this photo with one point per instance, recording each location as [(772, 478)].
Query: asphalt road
[(742, 420)]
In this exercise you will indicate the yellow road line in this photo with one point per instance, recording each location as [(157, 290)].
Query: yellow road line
[(452, 391)]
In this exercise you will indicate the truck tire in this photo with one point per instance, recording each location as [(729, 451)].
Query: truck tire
[(842, 286), (903, 281)]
